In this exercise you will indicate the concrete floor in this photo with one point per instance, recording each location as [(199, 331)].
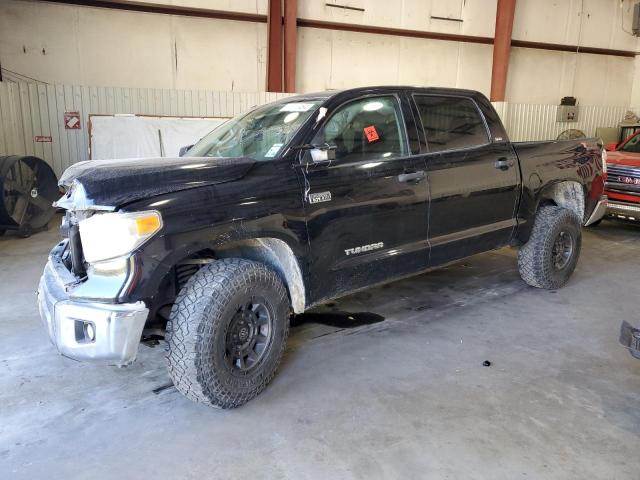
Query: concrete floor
[(404, 398)]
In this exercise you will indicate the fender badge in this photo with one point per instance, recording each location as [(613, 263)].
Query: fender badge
[(319, 197)]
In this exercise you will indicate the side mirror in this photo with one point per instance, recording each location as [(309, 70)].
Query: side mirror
[(611, 146), (184, 150), (317, 155)]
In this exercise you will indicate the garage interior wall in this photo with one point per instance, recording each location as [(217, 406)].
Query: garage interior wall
[(77, 45), (69, 44), (160, 64), (30, 111)]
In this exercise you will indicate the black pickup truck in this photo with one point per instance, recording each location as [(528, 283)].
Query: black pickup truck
[(290, 205)]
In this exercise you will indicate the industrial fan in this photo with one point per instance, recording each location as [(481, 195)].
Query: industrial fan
[(28, 188), (571, 134)]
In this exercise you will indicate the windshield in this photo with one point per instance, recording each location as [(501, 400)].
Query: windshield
[(633, 145), (259, 134)]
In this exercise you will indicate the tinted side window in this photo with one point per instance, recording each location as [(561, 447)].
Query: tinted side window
[(450, 122), (633, 145), (369, 128)]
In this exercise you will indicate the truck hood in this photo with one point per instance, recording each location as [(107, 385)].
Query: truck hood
[(624, 158), (107, 184)]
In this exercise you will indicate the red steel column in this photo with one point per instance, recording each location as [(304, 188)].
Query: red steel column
[(274, 46), (501, 48), (290, 38)]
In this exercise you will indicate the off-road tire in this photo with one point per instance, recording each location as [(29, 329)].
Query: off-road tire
[(535, 259), (197, 328)]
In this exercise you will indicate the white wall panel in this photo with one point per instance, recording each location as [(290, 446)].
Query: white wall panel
[(121, 48), (220, 54), (347, 59), (525, 122), (245, 6), (635, 89), (93, 46), (540, 76), (30, 110), (478, 15), (602, 23)]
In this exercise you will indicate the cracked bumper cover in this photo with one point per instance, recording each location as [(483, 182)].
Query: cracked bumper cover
[(623, 209), (97, 332), (599, 211)]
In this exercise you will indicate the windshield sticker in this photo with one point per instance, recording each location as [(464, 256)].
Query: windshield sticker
[(296, 107), (322, 111), (273, 151), (371, 134)]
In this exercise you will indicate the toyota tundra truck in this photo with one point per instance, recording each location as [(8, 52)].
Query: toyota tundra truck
[(293, 204)]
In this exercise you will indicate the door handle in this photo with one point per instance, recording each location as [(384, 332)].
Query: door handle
[(503, 164), (413, 177)]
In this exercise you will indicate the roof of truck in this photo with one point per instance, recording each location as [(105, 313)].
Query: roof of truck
[(379, 89)]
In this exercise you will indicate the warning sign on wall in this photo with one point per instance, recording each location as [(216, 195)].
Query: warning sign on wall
[(72, 120)]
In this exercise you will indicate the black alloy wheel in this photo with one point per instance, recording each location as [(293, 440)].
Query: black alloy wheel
[(248, 336), (562, 250)]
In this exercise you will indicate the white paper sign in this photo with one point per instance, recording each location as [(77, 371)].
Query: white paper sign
[(296, 107)]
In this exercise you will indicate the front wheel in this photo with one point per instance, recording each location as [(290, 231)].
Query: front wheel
[(227, 332), (550, 256)]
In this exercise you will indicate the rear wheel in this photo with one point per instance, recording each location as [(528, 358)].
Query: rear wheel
[(227, 332), (550, 256)]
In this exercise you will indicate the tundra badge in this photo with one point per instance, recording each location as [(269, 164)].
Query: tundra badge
[(364, 248), (319, 197)]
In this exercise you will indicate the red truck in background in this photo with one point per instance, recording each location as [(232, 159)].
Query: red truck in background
[(623, 178)]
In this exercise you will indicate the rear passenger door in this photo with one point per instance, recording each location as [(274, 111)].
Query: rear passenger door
[(473, 179)]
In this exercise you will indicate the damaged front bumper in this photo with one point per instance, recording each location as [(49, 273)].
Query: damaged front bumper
[(624, 210), (630, 338), (90, 331)]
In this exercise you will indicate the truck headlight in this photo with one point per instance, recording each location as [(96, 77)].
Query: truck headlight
[(604, 160), (110, 235)]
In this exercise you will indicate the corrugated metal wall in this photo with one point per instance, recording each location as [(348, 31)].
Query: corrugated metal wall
[(29, 110), (526, 122)]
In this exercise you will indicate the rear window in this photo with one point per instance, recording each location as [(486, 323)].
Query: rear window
[(633, 145), (451, 122)]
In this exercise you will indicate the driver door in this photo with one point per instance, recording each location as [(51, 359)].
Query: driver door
[(366, 210)]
